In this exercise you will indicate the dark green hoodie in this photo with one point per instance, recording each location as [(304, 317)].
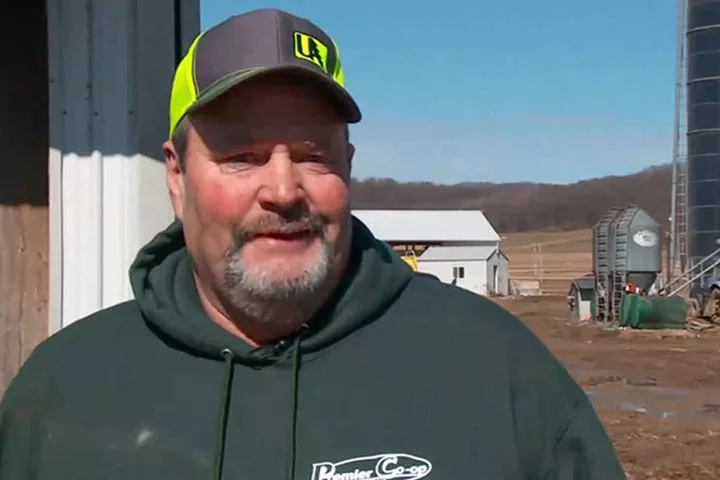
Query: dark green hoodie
[(398, 377)]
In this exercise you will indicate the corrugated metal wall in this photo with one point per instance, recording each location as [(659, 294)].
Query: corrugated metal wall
[(111, 66)]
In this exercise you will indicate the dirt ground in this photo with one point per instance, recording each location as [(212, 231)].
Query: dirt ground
[(658, 393)]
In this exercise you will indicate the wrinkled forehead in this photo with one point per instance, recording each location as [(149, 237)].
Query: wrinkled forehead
[(225, 136), (274, 109)]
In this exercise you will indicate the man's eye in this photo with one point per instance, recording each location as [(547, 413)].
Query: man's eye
[(316, 157), (250, 158)]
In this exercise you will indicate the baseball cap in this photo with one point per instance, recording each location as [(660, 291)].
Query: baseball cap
[(252, 44)]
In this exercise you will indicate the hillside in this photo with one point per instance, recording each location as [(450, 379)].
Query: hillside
[(522, 207)]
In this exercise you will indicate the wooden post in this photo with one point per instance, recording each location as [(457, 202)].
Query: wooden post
[(23, 190)]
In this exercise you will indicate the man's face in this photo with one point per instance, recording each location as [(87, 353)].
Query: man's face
[(264, 194)]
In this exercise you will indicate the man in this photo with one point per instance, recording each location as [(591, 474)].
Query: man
[(271, 335)]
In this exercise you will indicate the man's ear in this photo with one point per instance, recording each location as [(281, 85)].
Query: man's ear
[(351, 155), (174, 179)]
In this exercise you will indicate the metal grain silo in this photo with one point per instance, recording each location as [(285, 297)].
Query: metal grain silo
[(602, 262), (703, 127), (637, 252)]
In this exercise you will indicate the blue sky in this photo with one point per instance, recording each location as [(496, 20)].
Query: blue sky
[(479, 90)]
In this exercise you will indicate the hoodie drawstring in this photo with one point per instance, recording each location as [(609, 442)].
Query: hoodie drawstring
[(297, 354), (224, 410), (225, 407)]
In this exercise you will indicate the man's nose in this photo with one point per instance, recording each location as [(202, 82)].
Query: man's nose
[(282, 185)]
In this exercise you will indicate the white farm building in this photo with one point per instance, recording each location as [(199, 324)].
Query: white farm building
[(457, 246), (480, 269)]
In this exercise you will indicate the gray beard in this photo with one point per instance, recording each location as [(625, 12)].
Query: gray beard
[(260, 294)]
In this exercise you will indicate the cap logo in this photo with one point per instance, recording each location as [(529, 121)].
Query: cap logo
[(311, 49)]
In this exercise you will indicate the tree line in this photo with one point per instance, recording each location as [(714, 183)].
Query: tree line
[(519, 207)]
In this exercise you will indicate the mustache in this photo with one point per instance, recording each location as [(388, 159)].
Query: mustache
[(311, 223)]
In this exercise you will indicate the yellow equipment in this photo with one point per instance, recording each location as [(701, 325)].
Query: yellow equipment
[(410, 259)]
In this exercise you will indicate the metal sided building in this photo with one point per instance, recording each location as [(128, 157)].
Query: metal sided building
[(82, 121)]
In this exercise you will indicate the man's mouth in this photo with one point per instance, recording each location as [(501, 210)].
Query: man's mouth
[(287, 235)]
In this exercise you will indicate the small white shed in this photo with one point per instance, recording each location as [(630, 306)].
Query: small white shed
[(580, 296), (477, 268)]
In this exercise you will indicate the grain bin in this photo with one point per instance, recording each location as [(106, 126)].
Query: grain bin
[(626, 248), (637, 249), (703, 130), (637, 252), (602, 262)]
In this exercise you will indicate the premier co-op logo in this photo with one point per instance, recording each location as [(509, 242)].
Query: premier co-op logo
[(385, 466)]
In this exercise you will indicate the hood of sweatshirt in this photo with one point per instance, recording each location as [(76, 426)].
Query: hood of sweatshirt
[(162, 282)]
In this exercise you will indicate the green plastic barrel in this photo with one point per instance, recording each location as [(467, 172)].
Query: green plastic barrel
[(644, 314), (629, 310), (658, 313)]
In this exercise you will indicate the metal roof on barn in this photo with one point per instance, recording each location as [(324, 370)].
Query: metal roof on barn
[(456, 253), (428, 225)]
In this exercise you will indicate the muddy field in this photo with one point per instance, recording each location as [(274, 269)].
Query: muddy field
[(658, 393)]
